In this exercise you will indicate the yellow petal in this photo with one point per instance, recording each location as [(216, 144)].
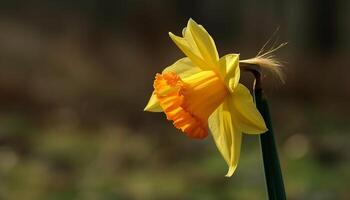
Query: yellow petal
[(183, 68), (197, 36), (247, 118), (187, 35), (198, 45), (229, 70), (189, 51), (153, 104), (227, 137)]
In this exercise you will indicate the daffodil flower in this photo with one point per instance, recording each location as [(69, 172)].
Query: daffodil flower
[(201, 92)]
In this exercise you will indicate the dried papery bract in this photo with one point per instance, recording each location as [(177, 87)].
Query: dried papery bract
[(266, 58)]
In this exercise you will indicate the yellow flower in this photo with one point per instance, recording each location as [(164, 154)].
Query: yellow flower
[(202, 92)]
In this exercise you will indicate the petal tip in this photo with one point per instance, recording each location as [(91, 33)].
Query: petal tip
[(146, 108), (153, 104), (231, 170), (190, 21), (263, 128), (173, 36)]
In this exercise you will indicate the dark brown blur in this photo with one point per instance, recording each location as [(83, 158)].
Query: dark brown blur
[(76, 75)]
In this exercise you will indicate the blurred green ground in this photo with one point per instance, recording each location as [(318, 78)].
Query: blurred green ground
[(117, 162), (74, 77)]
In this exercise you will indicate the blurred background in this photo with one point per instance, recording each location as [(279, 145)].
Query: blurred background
[(76, 75)]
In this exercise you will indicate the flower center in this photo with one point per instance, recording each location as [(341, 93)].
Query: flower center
[(190, 101)]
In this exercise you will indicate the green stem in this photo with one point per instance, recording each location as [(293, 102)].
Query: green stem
[(273, 174)]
